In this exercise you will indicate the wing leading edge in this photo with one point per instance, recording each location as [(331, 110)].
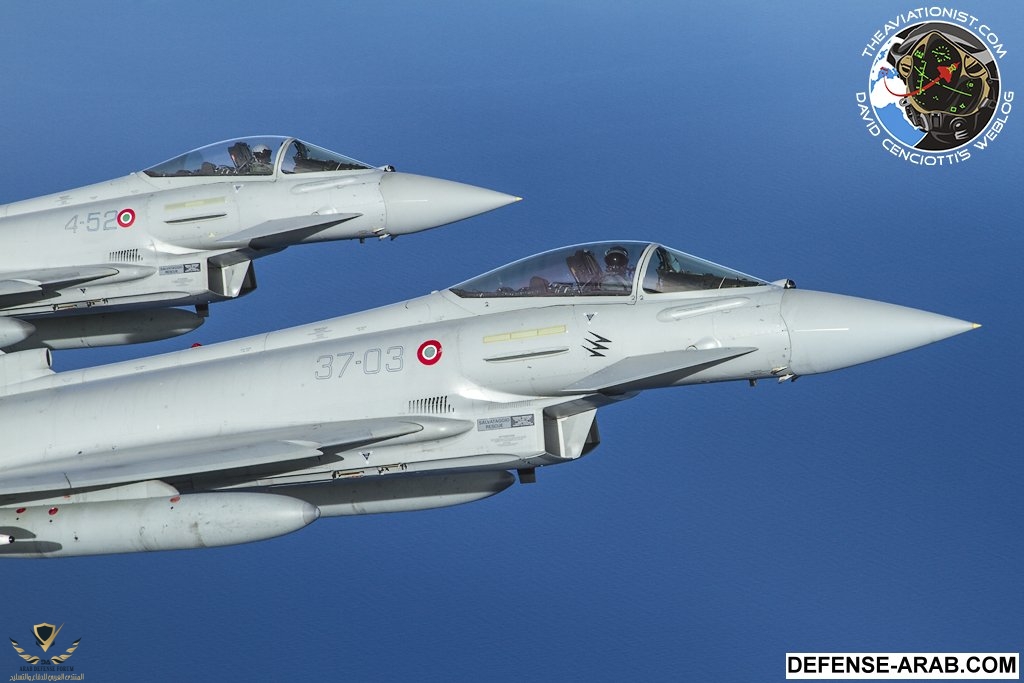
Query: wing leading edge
[(26, 285), (183, 459)]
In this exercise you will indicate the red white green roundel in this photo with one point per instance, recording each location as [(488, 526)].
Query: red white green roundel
[(429, 352), (125, 218)]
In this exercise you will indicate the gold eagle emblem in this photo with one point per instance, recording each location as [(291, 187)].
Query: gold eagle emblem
[(45, 635)]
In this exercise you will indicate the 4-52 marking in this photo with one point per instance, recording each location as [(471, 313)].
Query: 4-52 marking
[(101, 220)]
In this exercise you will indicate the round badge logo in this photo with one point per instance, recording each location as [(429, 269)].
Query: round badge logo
[(934, 89), (940, 83), (429, 352), (125, 218)]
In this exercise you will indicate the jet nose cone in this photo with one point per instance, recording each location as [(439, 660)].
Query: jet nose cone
[(831, 331), (415, 202)]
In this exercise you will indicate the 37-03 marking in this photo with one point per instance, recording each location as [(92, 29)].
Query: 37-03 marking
[(372, 362)]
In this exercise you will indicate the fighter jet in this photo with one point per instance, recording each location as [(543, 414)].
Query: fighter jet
[(108, 263), (431, 402)]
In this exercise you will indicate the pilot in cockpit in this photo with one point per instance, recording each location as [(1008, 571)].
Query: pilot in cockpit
[(616, 264), (260, 164)]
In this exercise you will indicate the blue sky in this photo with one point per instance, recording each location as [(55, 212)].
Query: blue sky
[(715, 528)]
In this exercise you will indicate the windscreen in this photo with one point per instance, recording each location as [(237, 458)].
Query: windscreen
[(673, 271), (596, 269), (253, 156)]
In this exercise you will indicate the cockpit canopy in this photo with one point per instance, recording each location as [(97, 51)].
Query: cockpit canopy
[(255, 156), (604, 269)]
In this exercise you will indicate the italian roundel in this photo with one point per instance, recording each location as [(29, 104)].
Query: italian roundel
[(125, 218), (429, 352)]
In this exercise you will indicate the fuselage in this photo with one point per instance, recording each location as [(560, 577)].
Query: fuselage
[(185, 233), (420, 404), (377, 365)]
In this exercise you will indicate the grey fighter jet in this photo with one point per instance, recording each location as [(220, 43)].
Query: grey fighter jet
[(430, 402), (108, 263)]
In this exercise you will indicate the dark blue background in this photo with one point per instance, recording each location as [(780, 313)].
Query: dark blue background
[(716, 528)]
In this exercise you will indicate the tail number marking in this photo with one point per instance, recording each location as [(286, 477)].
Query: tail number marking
[(371, 362)]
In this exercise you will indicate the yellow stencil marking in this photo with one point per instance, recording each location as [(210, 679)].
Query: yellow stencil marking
[(194, 203), (525, 334)]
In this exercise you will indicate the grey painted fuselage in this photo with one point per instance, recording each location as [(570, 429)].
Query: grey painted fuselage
[(429, 402), (113, 263)]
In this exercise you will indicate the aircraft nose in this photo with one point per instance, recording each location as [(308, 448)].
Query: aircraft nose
[(832, 331), (415, 202)]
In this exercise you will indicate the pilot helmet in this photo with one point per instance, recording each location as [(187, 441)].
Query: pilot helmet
[(958, 111), (262, 153), (616, 258)]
